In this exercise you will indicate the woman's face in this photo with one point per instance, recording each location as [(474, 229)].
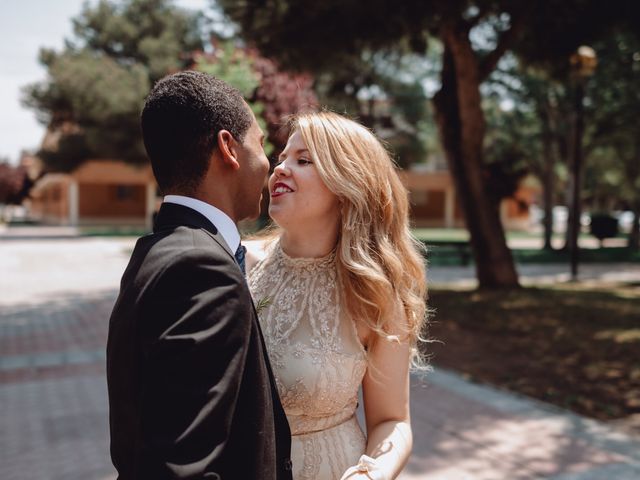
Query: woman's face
[(298, 194)]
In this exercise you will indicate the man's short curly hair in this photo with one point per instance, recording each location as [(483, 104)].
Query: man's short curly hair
[(180, 122)]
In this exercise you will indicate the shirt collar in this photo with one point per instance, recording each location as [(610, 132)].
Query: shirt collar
[(220, 220)]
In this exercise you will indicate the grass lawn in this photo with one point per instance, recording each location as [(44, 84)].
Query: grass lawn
[(113, 231), (443, 255), (576, 348), (590, 255), (449, 247), (462, 234)]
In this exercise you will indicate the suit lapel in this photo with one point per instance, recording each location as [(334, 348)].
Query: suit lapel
[(172, 215)]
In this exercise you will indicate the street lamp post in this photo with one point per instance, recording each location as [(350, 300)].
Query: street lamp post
[(583, 64)]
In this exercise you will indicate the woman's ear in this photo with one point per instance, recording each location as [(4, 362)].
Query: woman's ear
[(229, 149)]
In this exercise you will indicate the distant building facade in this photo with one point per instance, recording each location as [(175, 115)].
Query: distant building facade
[(112, 192), (434, 202), (99, 192)]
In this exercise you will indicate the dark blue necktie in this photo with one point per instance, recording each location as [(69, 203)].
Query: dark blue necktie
[(240, 252)]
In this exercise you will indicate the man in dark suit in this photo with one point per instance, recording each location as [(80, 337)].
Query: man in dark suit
[(191, 392)]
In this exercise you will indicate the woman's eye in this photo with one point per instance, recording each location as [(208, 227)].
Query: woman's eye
[(304, 161)]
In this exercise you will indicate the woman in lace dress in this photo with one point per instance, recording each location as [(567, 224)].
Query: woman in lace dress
[(341, 300)]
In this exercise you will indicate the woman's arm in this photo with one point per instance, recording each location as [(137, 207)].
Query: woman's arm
[(385, 391)]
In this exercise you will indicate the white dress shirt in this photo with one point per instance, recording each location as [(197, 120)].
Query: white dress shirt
[(220, 220)]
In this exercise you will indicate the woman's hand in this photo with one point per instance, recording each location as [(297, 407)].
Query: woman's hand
[(367, 469), (354, 474)]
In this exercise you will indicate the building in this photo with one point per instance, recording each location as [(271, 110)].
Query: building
[(98, 192), (434, 202), (433, 199), (111, 192)]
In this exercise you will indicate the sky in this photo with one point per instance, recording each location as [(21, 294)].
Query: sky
[(25, 27)]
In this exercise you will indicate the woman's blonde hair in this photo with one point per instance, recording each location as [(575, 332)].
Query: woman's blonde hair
[(380, 265)]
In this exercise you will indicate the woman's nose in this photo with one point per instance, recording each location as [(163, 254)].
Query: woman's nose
[(281, 169)]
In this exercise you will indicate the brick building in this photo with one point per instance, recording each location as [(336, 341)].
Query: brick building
[(434, 202), (99, 192)]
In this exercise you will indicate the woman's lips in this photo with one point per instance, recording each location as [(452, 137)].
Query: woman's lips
[(279, 189)]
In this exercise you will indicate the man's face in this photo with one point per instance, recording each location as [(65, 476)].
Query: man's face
[(254, 167)]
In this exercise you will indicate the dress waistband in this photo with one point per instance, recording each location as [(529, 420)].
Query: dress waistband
[(304, 425)]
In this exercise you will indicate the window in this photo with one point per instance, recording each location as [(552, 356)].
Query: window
[(124, 193), (419, 197)]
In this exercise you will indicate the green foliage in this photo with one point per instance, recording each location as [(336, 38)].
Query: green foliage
[(507, 156), (386, 92), (263, 303), (528, 120), (350, 45), (232, 65), (236, 67), (71, 151), (401, 75), (98, 83), (556, 28), (613, 103), (346, 43), (315, 35), (101, 96), (153, 33)]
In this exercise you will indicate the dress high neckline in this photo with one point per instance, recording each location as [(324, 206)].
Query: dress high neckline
[(306, 263)]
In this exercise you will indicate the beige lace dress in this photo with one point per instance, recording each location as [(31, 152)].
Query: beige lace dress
[(317, 359)]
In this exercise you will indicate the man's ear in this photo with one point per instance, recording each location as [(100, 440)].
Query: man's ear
[(229, 149)]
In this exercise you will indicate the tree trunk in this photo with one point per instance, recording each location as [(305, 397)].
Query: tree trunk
[(548, 177), (576, 179), (565, 145), (461, 127), (634, 234), (633, 172)]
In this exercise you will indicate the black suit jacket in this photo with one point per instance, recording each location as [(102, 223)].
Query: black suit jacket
[(191, 392)]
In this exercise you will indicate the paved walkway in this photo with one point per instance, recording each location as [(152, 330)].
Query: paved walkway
[(55, 298)]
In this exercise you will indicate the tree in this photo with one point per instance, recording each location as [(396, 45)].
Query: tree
[(282, 94), (613, 168), (385, 91), (97, 84), (474, 34), (533, 130), (272, 94), (14, 183)]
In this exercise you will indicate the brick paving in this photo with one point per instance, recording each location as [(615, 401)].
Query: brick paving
[(52, 389), (464, 431), (55, 298)]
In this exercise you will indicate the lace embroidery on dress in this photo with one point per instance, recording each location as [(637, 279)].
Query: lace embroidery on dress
[(317, 358)]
